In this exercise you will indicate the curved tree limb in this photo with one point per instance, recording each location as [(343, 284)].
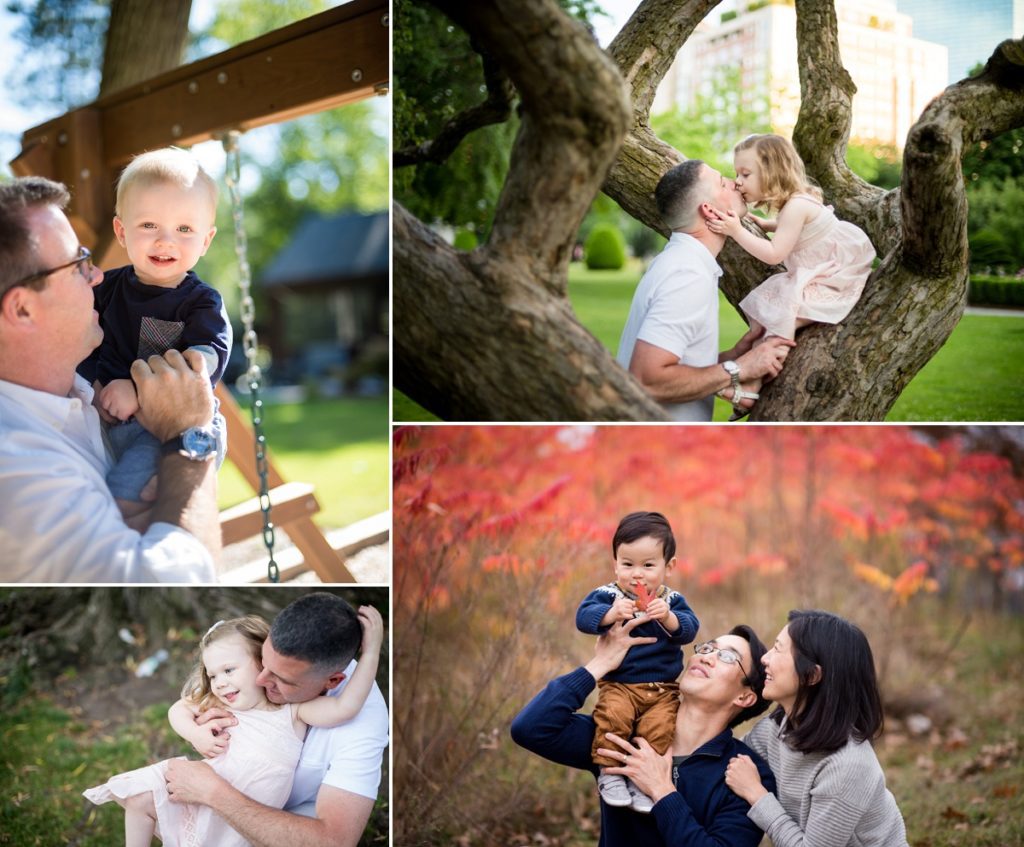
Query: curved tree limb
[(491, 335), (644, 50), (539, 364), (495, 109), (561, 155), (932, 182), (822, 129)]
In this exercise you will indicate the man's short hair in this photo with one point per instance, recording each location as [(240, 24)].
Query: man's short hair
[(755, 679), (645, 525), (321, 629), (19, 248), (678, 195)]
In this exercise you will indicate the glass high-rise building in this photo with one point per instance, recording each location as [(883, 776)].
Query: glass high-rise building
[(971, 31)]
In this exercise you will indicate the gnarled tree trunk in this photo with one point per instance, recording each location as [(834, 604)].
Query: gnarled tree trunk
[(490, 335), (144, 40)]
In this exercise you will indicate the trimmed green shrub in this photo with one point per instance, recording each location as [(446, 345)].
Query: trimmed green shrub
[(996, 291), (990, 249), (605, 248), (465, 240)]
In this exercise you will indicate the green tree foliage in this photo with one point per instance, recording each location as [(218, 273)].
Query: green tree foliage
[(437, 75), (605, 248), (719, 118), (62, 53), (879, 164), (999, 159), (989, 249), (995, 227), (465, 240)]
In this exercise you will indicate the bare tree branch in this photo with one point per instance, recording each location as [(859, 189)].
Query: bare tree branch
[(495, 109)]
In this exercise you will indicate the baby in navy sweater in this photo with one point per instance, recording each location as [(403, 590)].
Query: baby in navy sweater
[(166, 205), (641, 697)]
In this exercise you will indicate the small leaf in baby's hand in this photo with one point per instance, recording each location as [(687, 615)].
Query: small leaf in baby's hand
[(642, 597)]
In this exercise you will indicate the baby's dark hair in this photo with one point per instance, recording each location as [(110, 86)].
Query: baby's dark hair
[(645, 525)]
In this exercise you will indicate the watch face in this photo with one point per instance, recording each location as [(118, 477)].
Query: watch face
[(198, 441), (731, 367)]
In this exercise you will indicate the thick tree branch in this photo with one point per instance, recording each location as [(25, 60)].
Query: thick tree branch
[(932, 184), (562, 153), (495, 109), (539, 364), (646, 46), (644, 51), (822, 129)]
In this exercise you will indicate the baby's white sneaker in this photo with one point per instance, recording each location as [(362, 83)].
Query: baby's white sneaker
[(639, 801), (614, 790)]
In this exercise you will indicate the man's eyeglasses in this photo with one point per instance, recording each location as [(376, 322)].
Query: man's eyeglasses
[(83, 261), (725, 654)]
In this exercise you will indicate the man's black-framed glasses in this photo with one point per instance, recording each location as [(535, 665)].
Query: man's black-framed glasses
[(725, 654), (83, 261)]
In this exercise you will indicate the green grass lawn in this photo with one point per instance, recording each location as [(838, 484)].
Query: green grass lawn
[(974, 377), (339, 446), (52, 752)]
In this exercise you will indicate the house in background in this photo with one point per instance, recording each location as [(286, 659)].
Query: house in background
[(328, 300)]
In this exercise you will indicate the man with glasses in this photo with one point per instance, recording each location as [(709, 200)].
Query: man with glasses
[(720, 688), (59, 522)]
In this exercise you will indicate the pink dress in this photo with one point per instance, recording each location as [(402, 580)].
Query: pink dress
[(824, 278), (260, 762)]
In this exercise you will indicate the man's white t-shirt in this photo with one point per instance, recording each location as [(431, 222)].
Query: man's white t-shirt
[(675, 307), (347, 756)]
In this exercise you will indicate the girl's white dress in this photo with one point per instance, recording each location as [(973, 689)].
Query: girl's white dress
[(824, 278), (260, 762)]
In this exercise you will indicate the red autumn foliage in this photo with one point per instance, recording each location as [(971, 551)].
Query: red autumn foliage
[(754, 500)]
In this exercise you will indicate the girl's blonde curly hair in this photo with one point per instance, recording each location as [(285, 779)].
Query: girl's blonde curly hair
[(782, 170), (252, 629)]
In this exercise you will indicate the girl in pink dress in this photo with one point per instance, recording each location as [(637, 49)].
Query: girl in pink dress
[(827, 260), (264, 747)]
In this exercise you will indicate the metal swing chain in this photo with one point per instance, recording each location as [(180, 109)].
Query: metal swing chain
[(232, 177)]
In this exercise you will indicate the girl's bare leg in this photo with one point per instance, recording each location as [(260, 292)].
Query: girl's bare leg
[(139, 820)]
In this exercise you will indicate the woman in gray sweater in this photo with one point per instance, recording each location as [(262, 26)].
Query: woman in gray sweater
[(831, 789)]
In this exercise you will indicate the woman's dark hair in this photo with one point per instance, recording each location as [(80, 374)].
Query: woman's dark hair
[(756, 677), (845, 702), (645, 525)]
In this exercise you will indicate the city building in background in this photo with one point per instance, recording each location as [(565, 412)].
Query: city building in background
[(896, 73)]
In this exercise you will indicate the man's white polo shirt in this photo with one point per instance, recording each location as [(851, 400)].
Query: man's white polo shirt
[(675, 307)]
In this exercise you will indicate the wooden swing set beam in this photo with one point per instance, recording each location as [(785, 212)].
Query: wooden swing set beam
[(331, 59), (336, 57)]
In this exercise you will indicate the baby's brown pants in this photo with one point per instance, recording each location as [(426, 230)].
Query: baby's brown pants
[(645, 709)]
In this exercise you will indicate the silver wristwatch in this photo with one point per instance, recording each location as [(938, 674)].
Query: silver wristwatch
[(733, 370), (197, 443)]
